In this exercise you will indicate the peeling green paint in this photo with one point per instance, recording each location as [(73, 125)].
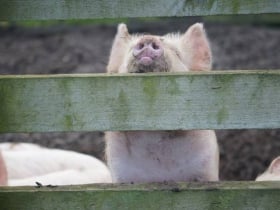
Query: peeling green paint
[(68, 122), (222, 115), (258, 90), (224, 86), (150, 88), (122, 101), (235, 6), (173, 86), (9, 103), (191, 79), (120, 108), (225, 79), (214, 100), (188, 104), (6, 100)]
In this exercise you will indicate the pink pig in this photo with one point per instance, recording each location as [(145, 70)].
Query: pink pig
[(157, 156), (272, 173), (26, 164)]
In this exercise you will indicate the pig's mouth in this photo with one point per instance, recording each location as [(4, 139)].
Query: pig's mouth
[(145, 60), (148, 56), (147, 64)]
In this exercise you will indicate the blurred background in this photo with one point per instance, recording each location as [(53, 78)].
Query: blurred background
[(83, 46)]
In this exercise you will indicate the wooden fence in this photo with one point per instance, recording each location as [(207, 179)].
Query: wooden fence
[(72, 9), (88, 102)]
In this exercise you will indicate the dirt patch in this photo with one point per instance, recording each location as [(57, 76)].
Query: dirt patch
[(85, 49)]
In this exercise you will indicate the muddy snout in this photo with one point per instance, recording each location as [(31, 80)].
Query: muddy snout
[(147, 50)]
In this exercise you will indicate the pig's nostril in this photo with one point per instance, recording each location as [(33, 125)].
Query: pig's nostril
[(147, 49), (138, 49), (140, 46), (155, 46)]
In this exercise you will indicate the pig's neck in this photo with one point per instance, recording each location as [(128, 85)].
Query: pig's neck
[(146, 156)]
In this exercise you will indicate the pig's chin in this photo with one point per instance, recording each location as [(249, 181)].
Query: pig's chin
[(147, 65), (145, 61)]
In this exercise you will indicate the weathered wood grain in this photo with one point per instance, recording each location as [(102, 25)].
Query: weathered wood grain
[(72, 9), (213, 100), (179, 196)]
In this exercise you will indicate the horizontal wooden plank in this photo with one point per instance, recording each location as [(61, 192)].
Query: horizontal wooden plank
[(72, 9), (197, 100), (227, 195)]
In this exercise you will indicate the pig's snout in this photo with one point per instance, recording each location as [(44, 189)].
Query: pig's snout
[(147, 50)]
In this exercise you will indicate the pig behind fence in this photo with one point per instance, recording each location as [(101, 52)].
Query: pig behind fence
[(26, 164), (156, 156), (272, 173)]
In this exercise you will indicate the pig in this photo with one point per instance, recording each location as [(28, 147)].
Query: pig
[(3, 171), (25, 164), (159, 156), (272, 173)]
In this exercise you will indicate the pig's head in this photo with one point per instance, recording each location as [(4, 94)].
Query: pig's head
[(170, 53)]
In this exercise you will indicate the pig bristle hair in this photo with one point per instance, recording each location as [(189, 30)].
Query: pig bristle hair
[(137, 35), (173, 36)]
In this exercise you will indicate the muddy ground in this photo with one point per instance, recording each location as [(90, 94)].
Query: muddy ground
[(83, 49)]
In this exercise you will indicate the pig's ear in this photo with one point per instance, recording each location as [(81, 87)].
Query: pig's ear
[(197, 53), (118, 49), (274, 167)]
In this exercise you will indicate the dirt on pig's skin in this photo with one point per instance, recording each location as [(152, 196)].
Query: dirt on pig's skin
[(85, 49)]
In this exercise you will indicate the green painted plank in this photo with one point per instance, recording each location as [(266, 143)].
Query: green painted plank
[(195, 100), (216, 196), (72, 9)]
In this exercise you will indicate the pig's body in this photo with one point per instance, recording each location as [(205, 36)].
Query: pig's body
[(272, 173), (26, 164), (156, 156)]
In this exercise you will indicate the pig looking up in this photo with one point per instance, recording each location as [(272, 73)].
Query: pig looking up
[(272, 173), (156, 156), (169, 53)]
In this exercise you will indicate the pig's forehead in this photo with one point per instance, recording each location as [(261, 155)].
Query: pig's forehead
[(140, 36), (169, 36), (172, 36), (136, 37)]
